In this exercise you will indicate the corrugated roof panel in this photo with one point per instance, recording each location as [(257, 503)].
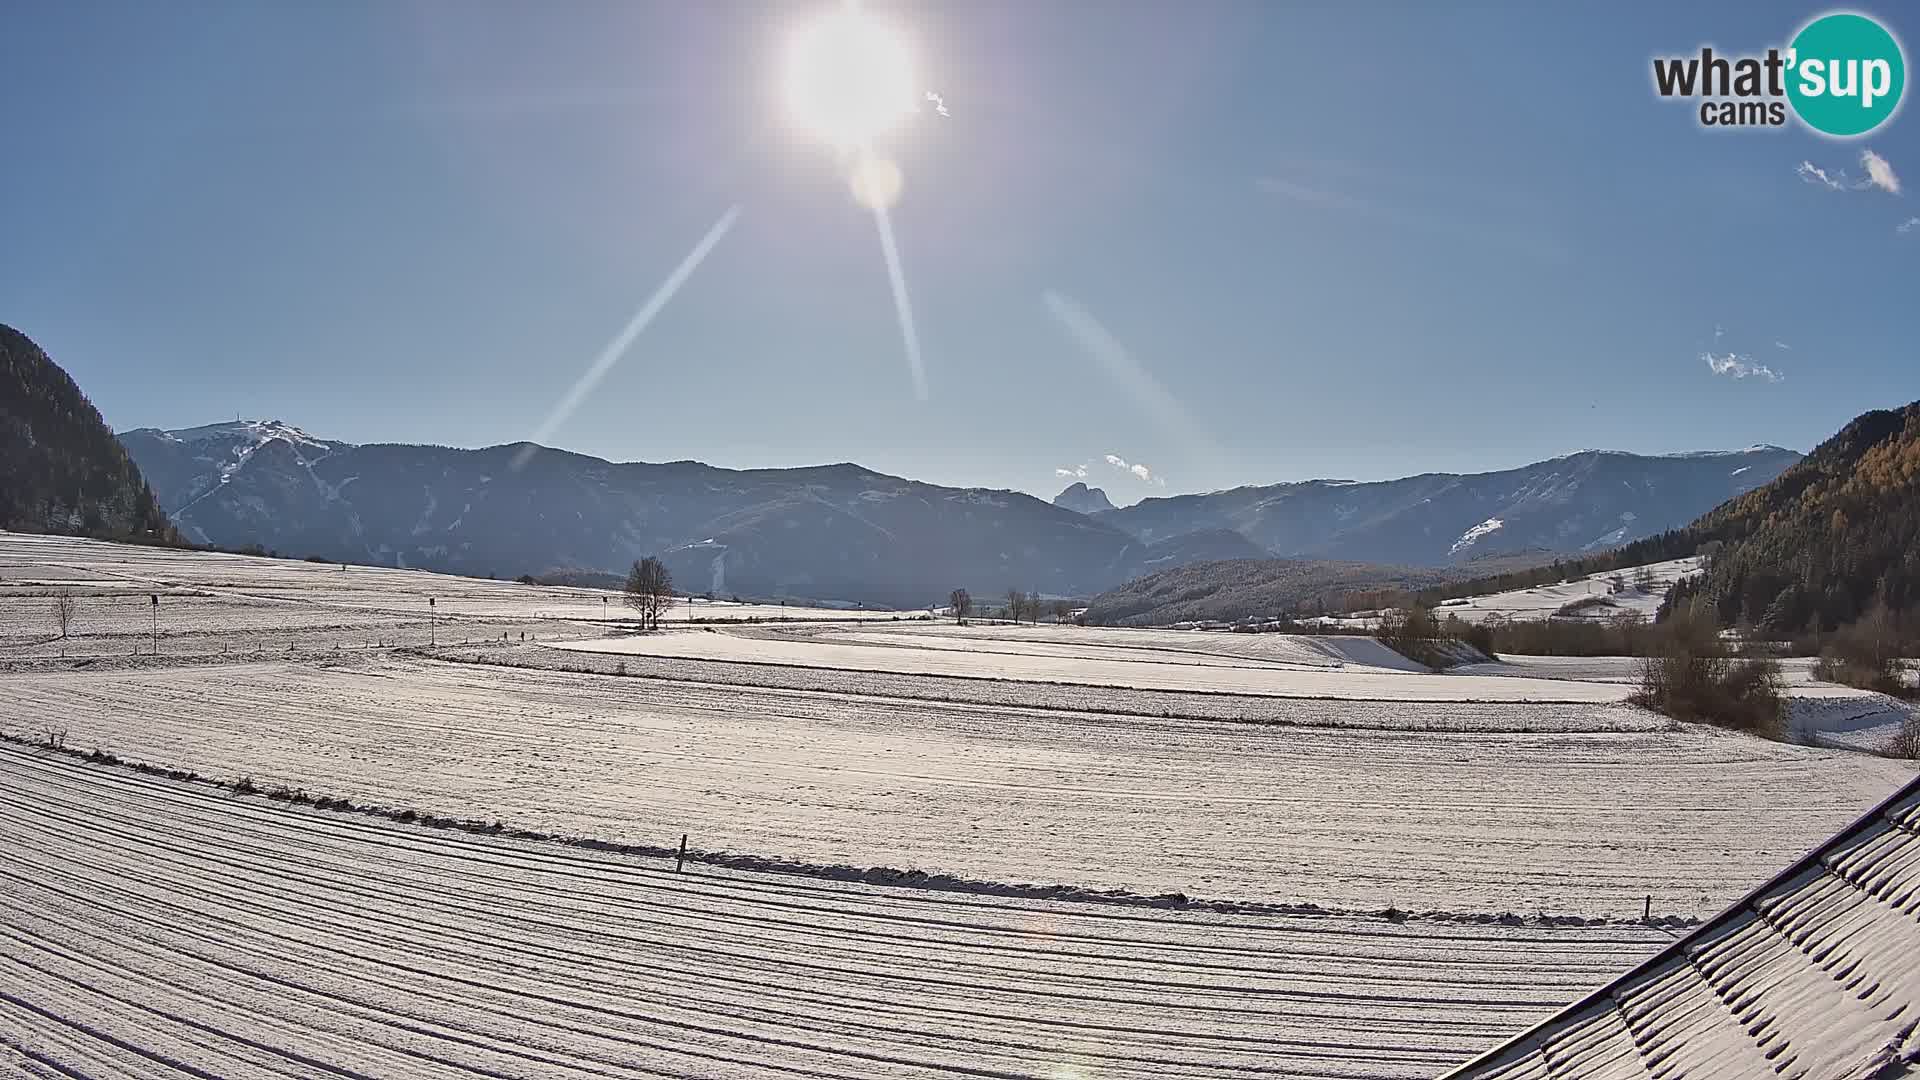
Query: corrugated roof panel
[(1685, 1030), (1597, 1045), (1814, 976)]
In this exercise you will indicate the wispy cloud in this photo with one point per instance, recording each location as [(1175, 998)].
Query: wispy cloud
[(1908, 225), (1782, 345), (1740, 366), (1814, 174), (1879, 173), (1078, 472), (1315, 196), (1138, 470), (939, 103)]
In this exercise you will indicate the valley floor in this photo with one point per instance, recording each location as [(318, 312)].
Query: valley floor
[(1513, 821)]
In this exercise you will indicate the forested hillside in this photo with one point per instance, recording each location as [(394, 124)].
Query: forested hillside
[(61, 469), (1832, 538)]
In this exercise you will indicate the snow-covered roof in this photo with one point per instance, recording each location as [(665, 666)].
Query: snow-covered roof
[(1814, 974)]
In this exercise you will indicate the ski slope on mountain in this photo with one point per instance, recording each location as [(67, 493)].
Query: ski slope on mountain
[(1616, 592)]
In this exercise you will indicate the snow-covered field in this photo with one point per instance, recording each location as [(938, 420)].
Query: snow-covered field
[(209, 601), (1848, 718), (155, 928), (1584, 822), (1296, 667)]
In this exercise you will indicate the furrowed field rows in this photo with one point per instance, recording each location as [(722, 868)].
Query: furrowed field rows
[(1086, 663), (1563, 823), (156, 928), (1212, 705)]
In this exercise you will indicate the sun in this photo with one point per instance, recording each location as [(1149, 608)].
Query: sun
[(849, 78)]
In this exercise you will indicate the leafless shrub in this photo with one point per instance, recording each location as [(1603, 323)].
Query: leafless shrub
[(1906, 742), (1866, 654), (1691, 675)]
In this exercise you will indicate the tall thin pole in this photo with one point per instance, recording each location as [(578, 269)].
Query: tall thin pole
[(155, 598), (433, 638)]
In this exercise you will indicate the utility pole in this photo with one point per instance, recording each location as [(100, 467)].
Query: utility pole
[(603, 609), (433, 636), (155, 604)]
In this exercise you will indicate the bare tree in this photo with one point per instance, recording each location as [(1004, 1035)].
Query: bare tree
[(63, 610), (1062, 610), (1017, 602), (962, 603), (649, 591)]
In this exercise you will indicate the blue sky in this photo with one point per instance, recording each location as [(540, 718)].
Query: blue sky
[(1324, 240)]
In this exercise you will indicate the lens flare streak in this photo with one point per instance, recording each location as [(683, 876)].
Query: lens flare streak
[(624, 340), (901, 304)]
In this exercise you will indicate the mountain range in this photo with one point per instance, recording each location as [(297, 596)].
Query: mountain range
[(830, 532), (847, 533), (1583, 502)]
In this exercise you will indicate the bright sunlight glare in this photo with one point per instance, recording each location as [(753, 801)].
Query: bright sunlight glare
[(849, 78)]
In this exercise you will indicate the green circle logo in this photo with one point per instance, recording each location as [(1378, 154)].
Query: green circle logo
[(1846, 73)]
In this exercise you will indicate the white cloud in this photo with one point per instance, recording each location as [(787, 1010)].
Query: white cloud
[(1879, 173), (1740, 366), (1783, 345), (939, 103), (1814, 174), (1139, 470), (1908, 225), (1078, 472), (1878, 169)]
